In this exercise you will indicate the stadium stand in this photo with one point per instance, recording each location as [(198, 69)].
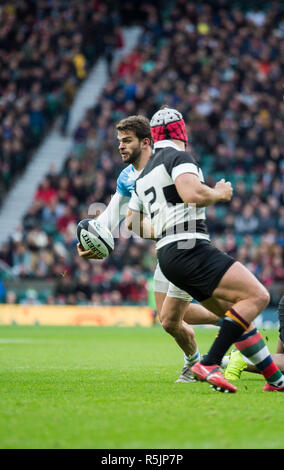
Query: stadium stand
[(47, 49), (222, 66)]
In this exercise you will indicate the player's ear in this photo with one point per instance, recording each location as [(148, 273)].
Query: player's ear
[(146, 141)]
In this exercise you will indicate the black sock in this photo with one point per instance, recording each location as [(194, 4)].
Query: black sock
[(229, 332)]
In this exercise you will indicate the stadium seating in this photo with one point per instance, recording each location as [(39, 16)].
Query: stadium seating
[(46, 51), (222, 68)]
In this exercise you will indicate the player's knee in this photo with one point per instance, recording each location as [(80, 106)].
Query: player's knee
[(265, 298), (262, 298), (170, 326)]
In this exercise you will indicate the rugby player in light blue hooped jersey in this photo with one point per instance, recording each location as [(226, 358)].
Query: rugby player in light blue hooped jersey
[(135, 147)]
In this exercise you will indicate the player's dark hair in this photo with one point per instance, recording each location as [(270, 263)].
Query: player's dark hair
[(139, 125)]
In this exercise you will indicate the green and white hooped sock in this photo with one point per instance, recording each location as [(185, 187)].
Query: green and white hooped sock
[(254, 348)]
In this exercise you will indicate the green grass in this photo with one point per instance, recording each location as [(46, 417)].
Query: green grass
[(69, 387)]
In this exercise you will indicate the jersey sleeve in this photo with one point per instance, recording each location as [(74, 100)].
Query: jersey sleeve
[(183, 162), (135, 203), (121, 186), (115, 211)]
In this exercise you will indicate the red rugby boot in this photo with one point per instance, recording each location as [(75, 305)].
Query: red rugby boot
[(214, 376), (271, 388)]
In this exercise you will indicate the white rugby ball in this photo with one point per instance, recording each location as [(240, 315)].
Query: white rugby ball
[(96, 237)]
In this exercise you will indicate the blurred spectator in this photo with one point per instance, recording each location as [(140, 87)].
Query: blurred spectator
[(11, 297), (68, 94), (247, 222), (30, 298), (65, 286)]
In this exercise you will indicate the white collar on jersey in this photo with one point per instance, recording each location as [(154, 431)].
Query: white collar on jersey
[(165, 143), (133, 175)]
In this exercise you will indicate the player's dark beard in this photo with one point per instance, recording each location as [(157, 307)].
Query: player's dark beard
[(136, 154)]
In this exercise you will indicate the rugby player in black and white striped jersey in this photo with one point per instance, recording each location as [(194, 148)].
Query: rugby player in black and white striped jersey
[(171, 192)]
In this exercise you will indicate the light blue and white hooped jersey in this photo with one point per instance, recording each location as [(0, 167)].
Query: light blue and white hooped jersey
[(126, 181), (117, 208)]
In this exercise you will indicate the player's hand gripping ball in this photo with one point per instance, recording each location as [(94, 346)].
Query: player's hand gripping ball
[(96, 237)]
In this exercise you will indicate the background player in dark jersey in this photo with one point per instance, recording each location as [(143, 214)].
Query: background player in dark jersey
[(165, 191)]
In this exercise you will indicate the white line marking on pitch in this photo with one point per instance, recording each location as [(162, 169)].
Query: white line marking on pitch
[(53, 368), (21, 340)]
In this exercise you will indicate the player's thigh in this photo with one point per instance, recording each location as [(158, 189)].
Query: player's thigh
[(217, 306), (173, 310), (237, 284), (175, 304), (220, 307), (159, 300), (161, 285)]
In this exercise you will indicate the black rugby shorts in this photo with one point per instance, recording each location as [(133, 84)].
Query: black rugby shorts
[(198, 270)]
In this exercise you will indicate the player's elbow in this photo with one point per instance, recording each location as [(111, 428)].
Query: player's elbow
[(128, 223)]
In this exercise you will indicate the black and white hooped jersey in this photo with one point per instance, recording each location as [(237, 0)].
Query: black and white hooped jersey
[(156, 196)]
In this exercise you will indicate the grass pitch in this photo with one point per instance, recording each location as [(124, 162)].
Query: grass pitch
[(113, 388)]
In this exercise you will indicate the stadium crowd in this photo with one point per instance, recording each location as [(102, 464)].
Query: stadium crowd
[(223, 68), (46, 50)]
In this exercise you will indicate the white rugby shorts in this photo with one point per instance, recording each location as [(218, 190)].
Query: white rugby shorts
[(161, 284)]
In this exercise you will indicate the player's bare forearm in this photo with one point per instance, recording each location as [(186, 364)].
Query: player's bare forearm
[(139, 224), (206, 196), (193, 191)]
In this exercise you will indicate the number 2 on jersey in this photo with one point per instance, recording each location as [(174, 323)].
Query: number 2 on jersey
[(152, 200)]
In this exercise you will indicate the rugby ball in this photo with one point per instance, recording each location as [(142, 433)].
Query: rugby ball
[(96, 237)]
